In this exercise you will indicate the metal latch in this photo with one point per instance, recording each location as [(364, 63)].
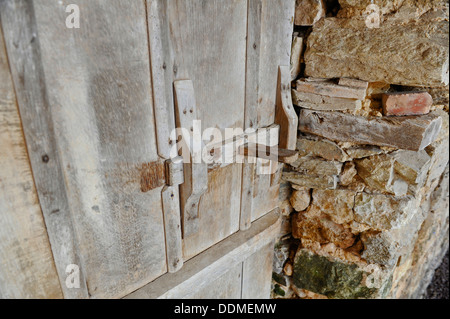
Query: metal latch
[(192, 176)]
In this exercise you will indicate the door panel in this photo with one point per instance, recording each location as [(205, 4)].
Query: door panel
[(257, 273), (99, 89)]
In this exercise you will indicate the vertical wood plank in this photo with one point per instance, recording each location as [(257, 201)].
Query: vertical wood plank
[(100, 93), (227, 286), (269, 46), (172, 228), (254, 37), (276, 27), (23, 47), (27, 269), (205, 42), (248, 175), (164, 111), (257, 274)]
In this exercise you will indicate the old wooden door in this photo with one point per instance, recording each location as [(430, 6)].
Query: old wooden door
[(97, 106)]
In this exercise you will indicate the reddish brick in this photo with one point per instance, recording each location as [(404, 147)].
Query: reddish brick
[(407, 103)]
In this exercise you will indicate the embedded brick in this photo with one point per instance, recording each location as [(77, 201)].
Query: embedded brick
[(406, 103)]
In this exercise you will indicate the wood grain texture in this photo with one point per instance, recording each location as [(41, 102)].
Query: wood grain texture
[(27, 269), (269, 46), (201, 270), (227, 286), (257, 273), (172, 228), (248, 176), (204, 41), (164, 112), (100, 95), (24, 52), (269, 41)]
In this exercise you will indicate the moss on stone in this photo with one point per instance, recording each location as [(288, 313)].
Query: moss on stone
[(332, 279), (279, 279), (279, 291)]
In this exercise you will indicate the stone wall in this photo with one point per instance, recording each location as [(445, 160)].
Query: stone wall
[(365, 206)]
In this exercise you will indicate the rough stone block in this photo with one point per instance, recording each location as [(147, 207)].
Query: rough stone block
[(301, 199), (318, 227), (337, 204), (384, 212), (363, 151), (332, 90), (296, 54), (406, 103), (339, 280), (320, 147), (354, 83), (314, 172), (308, 12), (377, 172), (397, 173), (340, 48), (317, 166), (416, 270), (411, 167), (388, 248), (406, 132), (310, 181), (324, 103), (348, 174)]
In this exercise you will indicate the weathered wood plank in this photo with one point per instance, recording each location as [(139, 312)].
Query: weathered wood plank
[(227, 286), (99, 87), (27, 269), (248, 176), (269, 42), (409, 132), (254, 48), (257, 273), (204, 41), (270, 26), (23, 46), (172, 228), (160, 53), (198, 272)]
